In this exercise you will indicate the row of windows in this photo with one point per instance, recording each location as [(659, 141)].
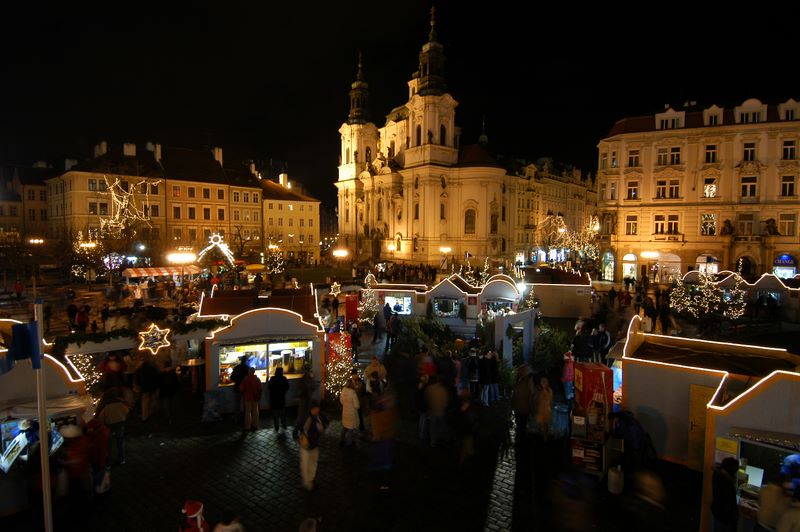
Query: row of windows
[(292, 238), (192, 232), (42, 215), (672, 156), (290, 222), (290, 206), (32, 195), (12, 210), (715, 119), (669, 224), (246, 196), (671, 189)]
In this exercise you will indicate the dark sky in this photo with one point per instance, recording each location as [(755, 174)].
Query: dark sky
[(269, 80)]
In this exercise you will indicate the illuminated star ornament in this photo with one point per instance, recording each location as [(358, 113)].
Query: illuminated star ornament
[(336, 289), (216, 241), (153, 339)]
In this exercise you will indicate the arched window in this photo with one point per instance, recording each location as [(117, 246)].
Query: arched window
[(419, 135), (469, 222), (493, 222), (443, 135), (347, 156), (369, 154), (398, 243)]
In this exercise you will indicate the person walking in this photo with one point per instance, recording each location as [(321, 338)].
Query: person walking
[(374, 366), (305, 391), (278, 385), (494, 377), (544, 406), (308, 434), (350, 406), (437, 397), (113, 415), (251, 391), (105, 313), (336, 307), (484, 377), (18, 288), (147, 379), (612, 296)]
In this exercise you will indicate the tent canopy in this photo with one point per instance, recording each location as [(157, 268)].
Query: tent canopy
[(190, 269)]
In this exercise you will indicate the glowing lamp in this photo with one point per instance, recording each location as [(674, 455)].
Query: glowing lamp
[(340, 253), (445, 249), (181, 257), (649, 254)]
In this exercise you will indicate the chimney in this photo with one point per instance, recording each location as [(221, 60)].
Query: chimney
[(149, 146), (158, 152), (253, 168), (69, 163), (129, 149), (217, 154), (101, 149), (155, 149), (283, 180)]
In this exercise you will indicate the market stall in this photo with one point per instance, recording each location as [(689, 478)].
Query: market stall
[(266, 339)]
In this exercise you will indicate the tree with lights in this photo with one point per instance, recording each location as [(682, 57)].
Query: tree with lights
[(530, 301), (275, 262), (368, 307), (339, 365)]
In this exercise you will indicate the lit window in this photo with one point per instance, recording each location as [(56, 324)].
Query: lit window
[(633, 190), (708, 224), (631, 225), (710, 187), (176, 192)]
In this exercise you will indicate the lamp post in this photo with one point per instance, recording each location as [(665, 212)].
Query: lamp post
[(35, 242), (181, 258)]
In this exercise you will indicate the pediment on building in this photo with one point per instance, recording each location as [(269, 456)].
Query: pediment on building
[(749, 167), (711, 170), (667, 172)]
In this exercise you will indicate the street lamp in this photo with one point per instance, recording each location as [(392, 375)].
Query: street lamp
[(35, 242), (181, 258), (391, 247)]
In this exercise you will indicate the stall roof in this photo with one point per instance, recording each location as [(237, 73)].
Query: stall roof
[(463, 285), (191, 269), (402, 287), (225, 303), (746, 360), (301, 301)]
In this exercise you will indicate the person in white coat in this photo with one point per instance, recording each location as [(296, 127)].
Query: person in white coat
[(350, 406)]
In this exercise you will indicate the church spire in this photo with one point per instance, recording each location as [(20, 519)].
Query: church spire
[(483, 139), (431, 63), (359, 97)]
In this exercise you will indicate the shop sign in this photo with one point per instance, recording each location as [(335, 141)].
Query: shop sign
[(13, 451), (785, 260)]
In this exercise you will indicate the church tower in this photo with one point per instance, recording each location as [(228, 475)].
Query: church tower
[(359, 148), (431, 119)]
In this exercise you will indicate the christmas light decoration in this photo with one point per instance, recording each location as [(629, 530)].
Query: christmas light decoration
[(127, 205), (530, 301), (707, 298), (153, 339), (336, 289), (275, 262), (216, 241), (368, 307), (86, 367), (339, 365)]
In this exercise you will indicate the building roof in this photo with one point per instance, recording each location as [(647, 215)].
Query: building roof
[(299, 300), (9, 195), (192, 165), (545, 275), (476, 155), (745, 360), (229, 303), (692, 119), (239, 175), (142, 164), (29, 175), (272, 190), (463, 285)]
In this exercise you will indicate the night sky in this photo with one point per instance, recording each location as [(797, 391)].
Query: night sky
[(269, 80)]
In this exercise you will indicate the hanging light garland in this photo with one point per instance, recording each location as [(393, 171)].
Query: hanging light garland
[(339, 365), (126, 208), (368, 307), (708, 298), (216, 241)]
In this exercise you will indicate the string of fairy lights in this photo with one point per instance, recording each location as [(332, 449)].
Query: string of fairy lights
[(708, 298), (368, 307), (127, 206), (339, 365), (86, 367)]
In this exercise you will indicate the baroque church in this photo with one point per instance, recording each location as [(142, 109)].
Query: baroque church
[(408, 192)]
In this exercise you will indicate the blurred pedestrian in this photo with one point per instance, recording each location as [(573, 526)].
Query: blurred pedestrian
[(18, 288), (437, 398), (350, 406), (374, 366), (543, 399), (278, 385), (522, 401), (308, 434), (168, 387), (229, 523), (724, 508), (305, 391), (114, 413), (251, 391), (238, 374), (147, 380)]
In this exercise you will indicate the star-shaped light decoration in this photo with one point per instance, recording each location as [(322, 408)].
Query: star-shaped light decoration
[(153, 339), (336, 289)]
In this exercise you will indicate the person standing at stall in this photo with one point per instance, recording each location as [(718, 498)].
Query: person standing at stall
[(724, 507), (278, 385), (113, 414), (148, 380), (251, 390), (350, 407), (238, 375)]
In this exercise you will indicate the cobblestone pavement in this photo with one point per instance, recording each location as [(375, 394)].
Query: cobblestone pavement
[(257, 475)]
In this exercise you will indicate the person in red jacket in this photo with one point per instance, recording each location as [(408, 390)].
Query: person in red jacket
[(251, 392)]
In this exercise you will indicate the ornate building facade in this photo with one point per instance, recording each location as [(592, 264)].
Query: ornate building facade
[(701, 188), (408, 191)]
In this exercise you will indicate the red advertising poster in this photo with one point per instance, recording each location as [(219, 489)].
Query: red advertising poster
[(594, 398)]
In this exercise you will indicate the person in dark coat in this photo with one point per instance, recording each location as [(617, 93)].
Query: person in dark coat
[(238, 375), (724, 508), (612, 296), (167, 389), (148, 380), (278, 385), (72, 311), (485, 377)]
